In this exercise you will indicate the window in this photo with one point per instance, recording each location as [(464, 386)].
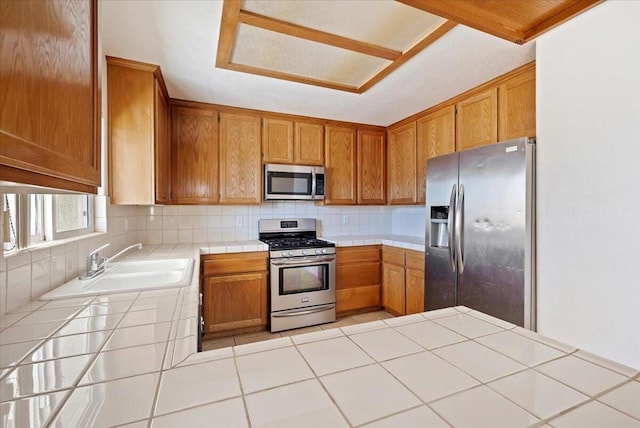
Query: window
[(34, 218)]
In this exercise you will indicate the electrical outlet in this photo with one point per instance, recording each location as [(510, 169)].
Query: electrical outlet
[(345, 219), (239, 220)]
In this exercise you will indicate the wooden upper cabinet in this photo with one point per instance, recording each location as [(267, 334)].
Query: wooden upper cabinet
[(477, 120), (277, 141), (401, 164), (517, 106), (371, 167), (194, 178), (436, 136), (309, 144), (162, 155), (138, 133), (340, 166), (240, 163), (50, 86)]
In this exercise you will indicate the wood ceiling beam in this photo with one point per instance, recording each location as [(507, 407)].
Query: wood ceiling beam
[(440, 31), (564, 15), (228, 28), (310, 34)]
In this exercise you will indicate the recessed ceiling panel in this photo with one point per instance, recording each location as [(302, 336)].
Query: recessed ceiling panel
[(273, 51), (385, 23)]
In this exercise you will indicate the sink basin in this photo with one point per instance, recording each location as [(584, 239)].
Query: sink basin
[(124, 277)]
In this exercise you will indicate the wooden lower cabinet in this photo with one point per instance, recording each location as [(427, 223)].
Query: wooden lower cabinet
[(357, 278), (402, 281), (235, 292)]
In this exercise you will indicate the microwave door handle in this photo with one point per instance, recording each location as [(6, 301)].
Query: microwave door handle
[(313, 183)]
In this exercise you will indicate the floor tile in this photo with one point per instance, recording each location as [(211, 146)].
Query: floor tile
[(341, 322), (25, 333), (296, 405), (480, 362), (332, 355), (482, 407), (430, 335), (385, 344), (208, 345), (124, 363), (429, 376), (30, 379), (271, 368), (12, 353), (138, 335), (520, 348), (626, 399), (372, 316), (86, 325), (260, 346), (315, 336), (111, 403), (418, 417), (303, 330), (31, 411), (581, 375), (368, 393), (537, 393), (223, 414), (360, 328), (67, 346), (243, 339), (197, 384), (594, 415), (467, 325)]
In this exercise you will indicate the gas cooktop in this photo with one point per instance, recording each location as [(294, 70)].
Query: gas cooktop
[(295, 243)]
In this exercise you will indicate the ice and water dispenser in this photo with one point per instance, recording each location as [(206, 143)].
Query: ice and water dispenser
[(439, 233)]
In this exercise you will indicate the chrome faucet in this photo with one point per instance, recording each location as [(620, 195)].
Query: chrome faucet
[(96, 264)]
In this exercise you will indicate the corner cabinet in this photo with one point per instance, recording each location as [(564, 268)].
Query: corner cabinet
[(401, 165), (234, 288), (240, 159), (517, 106), (50, 86), (340, 166), (194, 153), (138, 133)]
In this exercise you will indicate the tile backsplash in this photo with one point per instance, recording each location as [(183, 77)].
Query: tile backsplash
[(28, 274)]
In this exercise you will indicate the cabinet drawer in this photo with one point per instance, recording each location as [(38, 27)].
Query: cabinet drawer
[(223, 264), (367, 253), (393, 256), (414, 260)]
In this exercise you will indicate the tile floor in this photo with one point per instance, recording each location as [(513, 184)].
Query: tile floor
[(243, 339)]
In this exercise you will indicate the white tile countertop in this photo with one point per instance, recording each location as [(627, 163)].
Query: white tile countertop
[(130, 359), (407, 242)]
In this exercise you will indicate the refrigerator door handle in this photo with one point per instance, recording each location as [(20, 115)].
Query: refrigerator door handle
[(459, 233), (450, 224)]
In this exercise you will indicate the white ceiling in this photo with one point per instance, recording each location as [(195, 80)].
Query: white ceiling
[(182, 37)]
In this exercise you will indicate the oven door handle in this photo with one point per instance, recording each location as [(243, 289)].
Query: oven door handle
[(305, 261), (304, 312)]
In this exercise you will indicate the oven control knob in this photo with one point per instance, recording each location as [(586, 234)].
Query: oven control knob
[(324, 251), (304, 252), (284, 254), (318, 251), (290, 253)]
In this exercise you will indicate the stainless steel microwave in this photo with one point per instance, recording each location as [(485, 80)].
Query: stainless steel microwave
[(293, 182)]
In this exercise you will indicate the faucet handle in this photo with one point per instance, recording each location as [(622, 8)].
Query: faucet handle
[(97, 251)]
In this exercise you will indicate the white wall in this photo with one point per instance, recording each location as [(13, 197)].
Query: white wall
[(588, 127)]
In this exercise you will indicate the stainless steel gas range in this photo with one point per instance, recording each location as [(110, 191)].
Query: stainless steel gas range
[(302, 271)]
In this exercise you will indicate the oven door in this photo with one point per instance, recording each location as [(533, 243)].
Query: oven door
[(300, 282)]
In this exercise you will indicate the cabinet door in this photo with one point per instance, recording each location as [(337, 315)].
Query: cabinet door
[(162, 148), (415, 291), (277, 141), (401, 165), (436, 136), (477, 120), (50, 86), (309, 144), (517, 106), (235, 301), (393, 293), (194, 178), (340, 169), (358, 278), (371, 163), (240, 164), (130, 134)]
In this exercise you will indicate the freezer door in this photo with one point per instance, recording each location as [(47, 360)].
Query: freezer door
[(493, 230), (440, 271)]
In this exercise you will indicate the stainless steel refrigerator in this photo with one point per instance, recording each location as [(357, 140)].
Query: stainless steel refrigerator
[(480, 231)]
